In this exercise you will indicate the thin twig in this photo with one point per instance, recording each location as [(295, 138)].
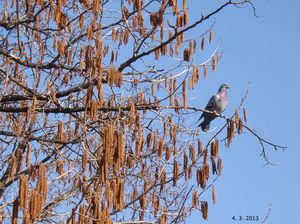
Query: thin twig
[(268, 214)]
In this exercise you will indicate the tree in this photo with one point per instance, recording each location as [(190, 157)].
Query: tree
[(93, 111)]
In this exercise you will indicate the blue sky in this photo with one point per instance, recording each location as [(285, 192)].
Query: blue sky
[(265, 50)]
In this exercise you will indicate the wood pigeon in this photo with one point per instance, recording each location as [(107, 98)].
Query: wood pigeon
[(217, 104)]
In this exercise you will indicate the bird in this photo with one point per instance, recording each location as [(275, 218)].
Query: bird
[(217, 104)]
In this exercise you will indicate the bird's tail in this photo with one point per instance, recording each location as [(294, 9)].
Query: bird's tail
[(205, 125)]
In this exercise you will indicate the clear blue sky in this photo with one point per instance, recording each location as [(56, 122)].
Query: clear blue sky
[(266, 51)]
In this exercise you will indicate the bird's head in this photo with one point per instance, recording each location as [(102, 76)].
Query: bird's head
[(224, 87)]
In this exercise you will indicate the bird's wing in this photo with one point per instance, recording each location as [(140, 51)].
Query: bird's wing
[(211, 105)]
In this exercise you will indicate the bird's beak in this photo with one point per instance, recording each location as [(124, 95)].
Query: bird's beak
[(228, 86)]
